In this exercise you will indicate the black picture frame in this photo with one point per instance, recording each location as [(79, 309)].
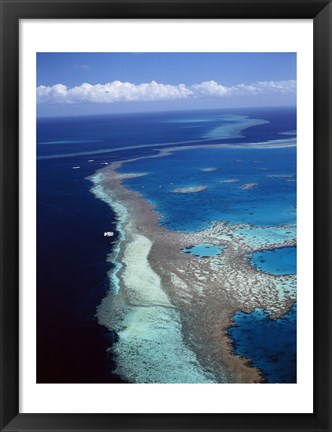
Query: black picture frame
[(14, 10)]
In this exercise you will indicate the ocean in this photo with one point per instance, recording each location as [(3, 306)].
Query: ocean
[(255, 186)]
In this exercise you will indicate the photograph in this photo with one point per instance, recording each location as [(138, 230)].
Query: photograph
[(166, 217)]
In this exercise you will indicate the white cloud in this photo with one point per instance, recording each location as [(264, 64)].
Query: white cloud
[(267, 87), (210, 88), (118, 91)]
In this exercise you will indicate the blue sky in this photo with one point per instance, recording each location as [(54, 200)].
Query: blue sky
[(92, 83)]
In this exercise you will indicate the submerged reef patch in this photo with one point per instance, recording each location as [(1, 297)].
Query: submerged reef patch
[(189, 189), (211, 169)]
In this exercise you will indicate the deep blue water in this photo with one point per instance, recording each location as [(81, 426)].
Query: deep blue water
[(276, 261), (71, 277), (270, 344), (72, 271), (57, 136)]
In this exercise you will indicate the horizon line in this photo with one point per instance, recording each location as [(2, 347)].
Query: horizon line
[(39, 117)]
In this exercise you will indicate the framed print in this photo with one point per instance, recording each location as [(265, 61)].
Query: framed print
[(165, 215)]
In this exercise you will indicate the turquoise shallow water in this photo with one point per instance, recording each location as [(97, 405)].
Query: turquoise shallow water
[(276, 261), (251, 186), (203, 250), (256, 236)]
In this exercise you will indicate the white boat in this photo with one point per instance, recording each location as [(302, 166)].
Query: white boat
[(108, 234), (76, 167)]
